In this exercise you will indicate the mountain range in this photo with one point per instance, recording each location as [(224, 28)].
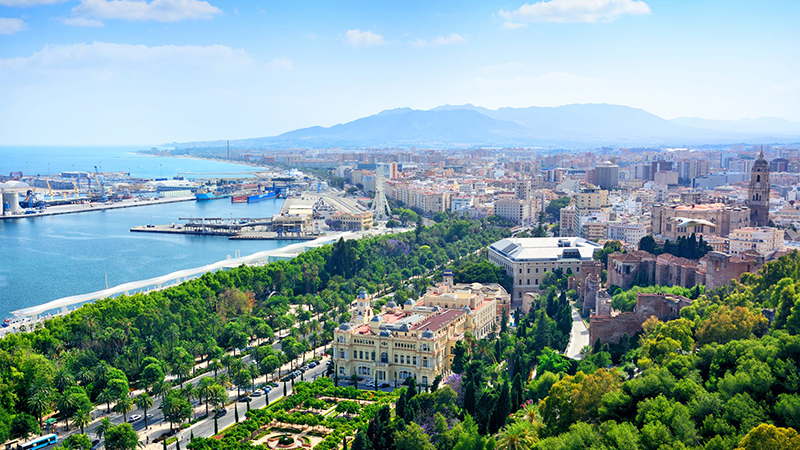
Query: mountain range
[(569, 126)]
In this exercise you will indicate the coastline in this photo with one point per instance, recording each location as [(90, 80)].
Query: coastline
[(203, 158), (42, 312)]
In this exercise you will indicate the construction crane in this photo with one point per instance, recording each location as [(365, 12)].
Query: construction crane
[(97, 178), (50, 189), (75, 184)]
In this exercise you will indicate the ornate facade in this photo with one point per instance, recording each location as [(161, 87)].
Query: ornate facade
[(758, 193)]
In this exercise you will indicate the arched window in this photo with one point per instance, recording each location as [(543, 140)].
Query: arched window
[(385, 357), (758, 178)]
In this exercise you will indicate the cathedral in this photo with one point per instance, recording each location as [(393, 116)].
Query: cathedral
[(758, 193)]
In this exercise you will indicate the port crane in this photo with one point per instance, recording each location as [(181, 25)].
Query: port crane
[(49, 189), (99, 184), (75, 184)]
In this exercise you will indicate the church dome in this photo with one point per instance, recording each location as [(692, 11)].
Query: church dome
[(362, 293), (345, 327), (391, 305), (427, 334), (377, 319)]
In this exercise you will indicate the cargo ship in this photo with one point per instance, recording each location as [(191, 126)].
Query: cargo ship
[(263, 196), (239, 198), (205, 194)]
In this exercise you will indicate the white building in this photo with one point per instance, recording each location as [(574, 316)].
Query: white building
[(527, 260), (516, 210), (461, 203), (631, 233), (762, 240)]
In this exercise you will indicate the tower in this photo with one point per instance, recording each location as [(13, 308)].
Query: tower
[(758, 193), (380, 207), (363, 312)]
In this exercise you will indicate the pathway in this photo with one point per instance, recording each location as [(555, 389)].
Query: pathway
[(579, 337)]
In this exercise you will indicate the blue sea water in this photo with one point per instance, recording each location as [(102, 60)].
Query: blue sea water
[(38, 160), (46, 258)]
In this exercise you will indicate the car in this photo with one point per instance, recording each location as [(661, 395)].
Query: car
[(274, 384), (221, 412), (267, 390), (384, 385), (244, 399), (304, 368), (149, 416), (313, 364), (134, 418), (286, 378), (370, 383), (256, 394)]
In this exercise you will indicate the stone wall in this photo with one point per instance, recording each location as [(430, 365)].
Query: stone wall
[(721, 268), (611, 329)]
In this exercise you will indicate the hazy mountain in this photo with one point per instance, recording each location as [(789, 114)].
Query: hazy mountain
[(583, 125), (762, 125)]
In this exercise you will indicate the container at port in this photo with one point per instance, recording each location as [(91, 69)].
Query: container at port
[(259, 197), (239, 198)]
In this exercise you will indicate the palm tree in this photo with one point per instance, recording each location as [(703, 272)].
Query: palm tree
[(66, 402), (106, 396), (188, 392), (63, 379), (226, 361), (144, 402), (85, 375), (103, 427), (204, 389), (124, 406), (516, 436), (82, 417), (161, 389), (40, 395), (215, 365)]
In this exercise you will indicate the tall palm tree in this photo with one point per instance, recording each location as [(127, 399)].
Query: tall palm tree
[(106, 396), (124, 406), (161, 389), (103, 427), (66, 402), (63, 379), (144, 402), (204, 389), (82, 417), (216, 366), (188, 392), (40, 395), (516, 436)]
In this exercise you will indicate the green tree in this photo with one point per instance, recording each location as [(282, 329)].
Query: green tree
[(517, 436), (23, 425), (122, 437), (412, 438), (770, 437), (124, 406), (82, 417)]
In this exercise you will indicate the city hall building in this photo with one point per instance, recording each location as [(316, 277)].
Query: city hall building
[(416, 339)]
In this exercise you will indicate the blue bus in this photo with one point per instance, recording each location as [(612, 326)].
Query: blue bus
[(43, 441)]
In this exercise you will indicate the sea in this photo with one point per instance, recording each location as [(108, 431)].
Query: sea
[(50, 257)]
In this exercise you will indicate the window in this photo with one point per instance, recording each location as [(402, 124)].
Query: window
[(520, 270), (395, 359), (425, 381), (529, 270), (384, 357), (402, 359), (373, 356), (424, 362), (537, 270), (415, 360)]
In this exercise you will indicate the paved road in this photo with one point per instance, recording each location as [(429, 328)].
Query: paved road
[(579, 337)]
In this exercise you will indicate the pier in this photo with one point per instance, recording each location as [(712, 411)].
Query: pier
[(276, 227)]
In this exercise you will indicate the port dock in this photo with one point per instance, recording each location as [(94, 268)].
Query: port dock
[(270, 228)]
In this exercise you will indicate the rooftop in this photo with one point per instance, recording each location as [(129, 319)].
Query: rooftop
[(546, 249), (438, 321)]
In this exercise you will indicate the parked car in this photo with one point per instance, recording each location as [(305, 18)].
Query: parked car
[(287, 378), (384, 385), (370, 383), (244, 399), (221, 412), (274, 384), (134, 418), (256, 394), (313, 364), (267, 390)]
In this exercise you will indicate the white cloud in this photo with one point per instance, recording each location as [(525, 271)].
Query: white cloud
[(27, 3), (281, 64), (123, 57), (566, 11), (82, 22), (11, 26), (358, 38), (452, 38), (140, 11)]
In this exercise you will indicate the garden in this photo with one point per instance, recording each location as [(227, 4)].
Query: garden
[(317, 415)]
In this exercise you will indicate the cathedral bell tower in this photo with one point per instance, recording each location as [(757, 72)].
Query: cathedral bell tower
[(758, 193)]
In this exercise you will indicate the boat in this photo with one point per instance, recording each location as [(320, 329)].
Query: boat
[(259, 197), (205, 194), (237, 198)]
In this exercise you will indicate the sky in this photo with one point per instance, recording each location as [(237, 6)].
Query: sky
[(128, 72)]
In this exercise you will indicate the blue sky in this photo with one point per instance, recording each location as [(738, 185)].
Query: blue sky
[(135, 72)]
